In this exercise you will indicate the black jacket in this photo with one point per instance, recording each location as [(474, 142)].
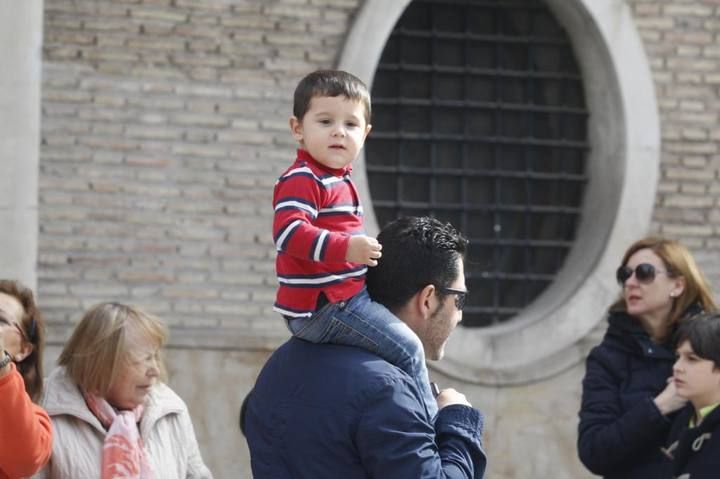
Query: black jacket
[(695, 451), (621, 430)]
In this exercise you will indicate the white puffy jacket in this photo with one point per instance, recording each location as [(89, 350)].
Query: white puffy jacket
[(166, 430)]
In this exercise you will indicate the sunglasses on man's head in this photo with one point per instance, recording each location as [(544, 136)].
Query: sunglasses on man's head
[(644, 273), (460, 296)]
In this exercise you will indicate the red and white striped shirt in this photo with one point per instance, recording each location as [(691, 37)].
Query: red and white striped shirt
[(317, 209)]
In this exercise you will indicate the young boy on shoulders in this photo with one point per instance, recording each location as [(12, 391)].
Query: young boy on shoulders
[(322, 250), (694, 439)]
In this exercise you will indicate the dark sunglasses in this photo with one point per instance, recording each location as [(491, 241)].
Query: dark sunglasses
[(644, 273), (460, 296)]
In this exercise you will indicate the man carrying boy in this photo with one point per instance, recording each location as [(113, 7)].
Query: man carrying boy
[(323, 411), (323, 253)]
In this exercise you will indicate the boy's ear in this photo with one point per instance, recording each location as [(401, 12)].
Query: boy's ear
[(367, 130), (296, 128)]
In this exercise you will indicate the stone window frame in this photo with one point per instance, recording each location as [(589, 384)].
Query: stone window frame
[(623, 169)]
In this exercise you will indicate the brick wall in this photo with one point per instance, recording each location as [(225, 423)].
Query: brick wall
[(682, 41), (164, 127)]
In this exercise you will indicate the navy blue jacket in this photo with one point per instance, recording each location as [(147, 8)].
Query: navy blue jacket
[(621, 430), (326, 411), (695, 451)]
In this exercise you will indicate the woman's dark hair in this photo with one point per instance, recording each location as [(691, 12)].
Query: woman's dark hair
[(417, 251), (33, 326), (703, 334)]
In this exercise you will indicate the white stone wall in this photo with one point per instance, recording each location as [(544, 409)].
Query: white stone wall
[(20, 51)]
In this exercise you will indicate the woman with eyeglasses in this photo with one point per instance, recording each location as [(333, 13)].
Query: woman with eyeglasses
[(25, 430), (628, 399)]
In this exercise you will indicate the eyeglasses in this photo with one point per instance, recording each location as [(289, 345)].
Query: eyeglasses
[(6, 323), (644, 273), (460, 296)]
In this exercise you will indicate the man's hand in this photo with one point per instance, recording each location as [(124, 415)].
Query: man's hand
[(363, 250), (448, 397)]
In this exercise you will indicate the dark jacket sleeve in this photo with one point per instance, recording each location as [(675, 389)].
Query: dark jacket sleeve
[(395, 439), (607, 435)]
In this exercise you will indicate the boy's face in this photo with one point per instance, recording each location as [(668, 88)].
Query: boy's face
[(333, 130), (696, 379)]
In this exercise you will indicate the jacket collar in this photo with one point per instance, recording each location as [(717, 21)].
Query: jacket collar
[(63, 397), (629, 333)]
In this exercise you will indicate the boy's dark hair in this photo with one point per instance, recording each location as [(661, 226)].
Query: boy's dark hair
[(330, 83), (416, 252), (703, 333)]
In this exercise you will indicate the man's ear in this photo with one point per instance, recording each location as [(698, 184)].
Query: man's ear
[(427, 298), (417, 311), (296, 128)]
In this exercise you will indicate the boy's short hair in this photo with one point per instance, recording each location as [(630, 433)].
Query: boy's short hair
[(330, 83), (98, 348), (703, 334)]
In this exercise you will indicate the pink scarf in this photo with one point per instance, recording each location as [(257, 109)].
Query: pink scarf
[(123, 452)]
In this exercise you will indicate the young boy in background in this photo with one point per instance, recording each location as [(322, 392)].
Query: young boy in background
[(694, 439)]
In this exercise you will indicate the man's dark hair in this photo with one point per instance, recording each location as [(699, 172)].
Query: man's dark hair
[(330, 83), (703, 333), (416, 252)]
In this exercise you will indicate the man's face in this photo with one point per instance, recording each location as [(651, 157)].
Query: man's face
[(443, 319)]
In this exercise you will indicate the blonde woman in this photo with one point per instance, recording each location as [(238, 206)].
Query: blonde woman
[(628, 401), (111, 411)]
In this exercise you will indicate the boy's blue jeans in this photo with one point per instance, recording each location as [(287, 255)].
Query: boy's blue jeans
[(362, 322)]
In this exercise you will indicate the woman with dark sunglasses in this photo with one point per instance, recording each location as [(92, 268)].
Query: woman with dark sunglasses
[(24, 427), (628, 401)]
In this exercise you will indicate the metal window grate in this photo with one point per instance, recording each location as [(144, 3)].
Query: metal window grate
[(479, 119)]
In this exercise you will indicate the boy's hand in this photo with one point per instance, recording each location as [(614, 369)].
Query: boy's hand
[(363, 250)]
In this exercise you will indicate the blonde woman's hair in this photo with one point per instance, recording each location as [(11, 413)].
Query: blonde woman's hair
[(98, 348), (679, 263)]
